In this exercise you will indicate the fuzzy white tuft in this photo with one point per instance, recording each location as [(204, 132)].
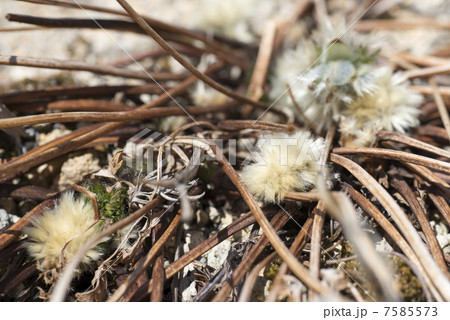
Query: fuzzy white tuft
[(322, 84), (392, 106), (55, 227), (285, 163)]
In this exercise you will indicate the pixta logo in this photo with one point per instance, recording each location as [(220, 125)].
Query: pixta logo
[(149, 147)]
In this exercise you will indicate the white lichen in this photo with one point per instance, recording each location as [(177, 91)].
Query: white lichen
[(70, 220), (285, 163)]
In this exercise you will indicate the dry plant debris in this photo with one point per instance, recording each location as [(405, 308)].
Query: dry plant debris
[(260, 151)]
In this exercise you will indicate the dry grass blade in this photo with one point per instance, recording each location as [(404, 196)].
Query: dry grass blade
[(297, 246), (444, 91), (419, 212), (257, 125), (370, 25), (395, 155), (440, 105), (316, 236), (83, 66), (397, 137), (251, 278), (427, 61), (158, 268), (249, 259), (433, 131), (384, 223), (431, 177), (342, 209), (66, 91), (310, 196), (26, 162), (120, 116), (439, 279), (319, 213), (119, 25), (441, 204), (309, 123), (427, 72), (149, 258), (220, 50), (149, 30), (255, 88)]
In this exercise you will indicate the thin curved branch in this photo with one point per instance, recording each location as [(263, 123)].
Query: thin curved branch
[(83, 66), (120, 116)]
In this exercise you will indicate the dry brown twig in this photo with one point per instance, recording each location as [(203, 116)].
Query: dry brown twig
[(83, 66), (443, 112), (393, 233), (255, 89), (250, 258), (395, 155), (397, 137), (29, 160), (421, 215), (342, 209), (438, 278)]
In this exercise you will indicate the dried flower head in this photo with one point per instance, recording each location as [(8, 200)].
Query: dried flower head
[(326, 75), (285, 163), (70, 220), (391, 106)]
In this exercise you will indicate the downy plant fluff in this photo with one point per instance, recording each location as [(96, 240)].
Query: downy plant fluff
[(392, 106), (71, 219), (335, 79), (284, 163)]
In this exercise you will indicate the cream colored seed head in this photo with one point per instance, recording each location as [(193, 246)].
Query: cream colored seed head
[(285, 163), (391, 106), (70, 219)]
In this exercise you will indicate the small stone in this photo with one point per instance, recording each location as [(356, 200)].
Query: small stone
[(189, 293), (73, 170), (7, 219), (383, 246), (52, 135), (217, 255)]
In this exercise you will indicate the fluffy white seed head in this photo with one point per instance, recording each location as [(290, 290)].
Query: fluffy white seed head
[(325, 75), (285, 163), (50, 232), (353, 135), (392, 106)]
